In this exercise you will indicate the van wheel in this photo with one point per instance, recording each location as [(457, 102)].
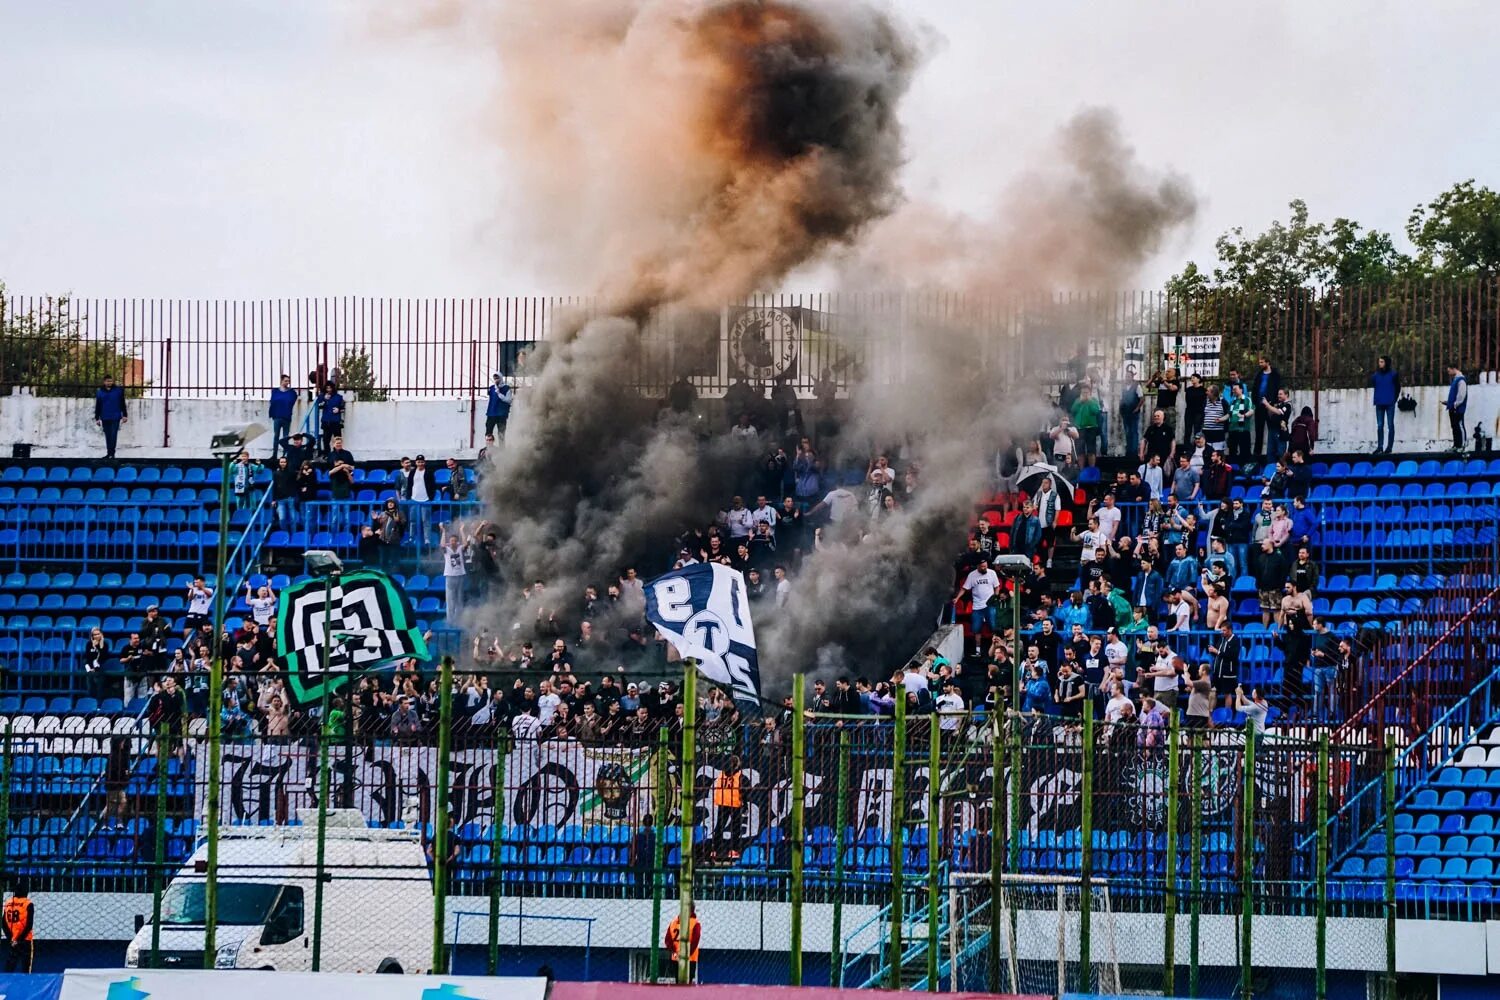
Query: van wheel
[(389, 965)]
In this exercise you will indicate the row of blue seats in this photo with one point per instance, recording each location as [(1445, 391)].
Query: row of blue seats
[(1456, 799), (171, 475), (1484, 823), (83, 473), (1460, 489), (59, 542), (48, 503), (60, 705), (56, 826), (115, 581), (1397, 512), (1435, 845)]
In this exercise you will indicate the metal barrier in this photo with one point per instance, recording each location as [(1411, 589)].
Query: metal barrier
[(1318, 338)]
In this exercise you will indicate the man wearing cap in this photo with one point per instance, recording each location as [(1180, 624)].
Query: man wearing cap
[(497, 410), (418, 488), (155, 631)]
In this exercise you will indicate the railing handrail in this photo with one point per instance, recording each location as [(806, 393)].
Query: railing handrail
[(1348, 724)]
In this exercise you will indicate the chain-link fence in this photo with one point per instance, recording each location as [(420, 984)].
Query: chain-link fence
[(926, 852)]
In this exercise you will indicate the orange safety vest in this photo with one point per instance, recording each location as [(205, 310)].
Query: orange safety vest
[(727, 790), (17, 915), (674, 935)]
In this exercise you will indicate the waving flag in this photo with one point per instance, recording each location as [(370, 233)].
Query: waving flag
[(704, 612), (371, 622)]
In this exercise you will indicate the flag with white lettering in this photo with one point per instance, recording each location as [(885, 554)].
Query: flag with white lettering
[(703, 610)]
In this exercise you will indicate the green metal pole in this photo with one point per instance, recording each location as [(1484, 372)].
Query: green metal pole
[(898, 843), (841, 817), (1195, 831), (1322, 799), (1086, 854), (1169, 904), (934, 844), (798, 837), (997, 795), (497, 829), (1013, 814), (215, 732), (1247, 865), (159, 848), (662, 809), (1390, 865), (687, 780), (325, 733), (440, 818), (1015, 653)]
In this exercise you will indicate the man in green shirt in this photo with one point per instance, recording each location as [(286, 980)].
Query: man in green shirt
[(1240, 411), (1085, 414)]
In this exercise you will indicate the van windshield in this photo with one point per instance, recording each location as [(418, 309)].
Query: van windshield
[(239, 902)]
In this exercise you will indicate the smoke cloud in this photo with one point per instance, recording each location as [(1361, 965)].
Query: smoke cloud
[(686, 151), (1088, 218), (675, 155)]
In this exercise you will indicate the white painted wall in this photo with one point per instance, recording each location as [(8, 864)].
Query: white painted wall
[(64, 428)]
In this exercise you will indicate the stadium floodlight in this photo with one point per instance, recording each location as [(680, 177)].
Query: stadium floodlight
[(321, 563), (232, 440), (1012, 565)]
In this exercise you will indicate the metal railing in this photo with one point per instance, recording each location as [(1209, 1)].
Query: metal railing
[(1318, 338)]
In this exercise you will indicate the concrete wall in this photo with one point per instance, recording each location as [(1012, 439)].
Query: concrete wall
[(64, 428)]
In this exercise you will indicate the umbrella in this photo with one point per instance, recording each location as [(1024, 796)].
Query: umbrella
[(1030, 477)]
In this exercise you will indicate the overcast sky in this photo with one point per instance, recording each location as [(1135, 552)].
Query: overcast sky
[(238, 148)]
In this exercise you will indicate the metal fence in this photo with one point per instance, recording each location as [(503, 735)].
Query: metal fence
[(1318, 338), (932, 851)]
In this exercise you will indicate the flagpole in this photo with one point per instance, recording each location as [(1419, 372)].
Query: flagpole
[(215, 728), (440, 818), (323, 736), (686, 782)]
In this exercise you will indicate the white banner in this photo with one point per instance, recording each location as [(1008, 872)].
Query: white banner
[(1196, 354), (556, 782), (161, 984)]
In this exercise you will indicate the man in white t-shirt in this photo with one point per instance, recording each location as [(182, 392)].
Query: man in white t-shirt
[(1181, 610), (950, 705), (1254, 708), (764, 513), (200, 605), (1164, 676), (739, 520), (1108, 516), (841, 503), (981, 585), (454, 573), (1115, 707), (546, 703)]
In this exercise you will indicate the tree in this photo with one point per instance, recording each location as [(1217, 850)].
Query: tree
[(48, 350), (1457, 234), (357, 372)]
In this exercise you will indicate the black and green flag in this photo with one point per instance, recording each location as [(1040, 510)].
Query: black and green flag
[(369, 619)]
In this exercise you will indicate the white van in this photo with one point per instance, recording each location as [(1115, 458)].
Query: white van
[(377, 901)]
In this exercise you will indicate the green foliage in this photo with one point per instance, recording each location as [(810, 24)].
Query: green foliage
[(46, 349), (1457, 234), (357, 373)]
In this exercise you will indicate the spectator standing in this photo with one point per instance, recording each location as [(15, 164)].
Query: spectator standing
[(1168, 383), (1200, 708), (1254, 708), (331, 407), (1215, 419), (241, 479), (454, 572), (1278, 412), (497, 406), (1385, 390), (110, 412), (1194, 403), (419, 488), (1087, 415), (1264, 388), (1457, 405), (1303, 436), (1048, 505), (1158, 440), (1225, 650), (281, 409), (1240, 412), (200, 598), (1130, 406), (981, 585)]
